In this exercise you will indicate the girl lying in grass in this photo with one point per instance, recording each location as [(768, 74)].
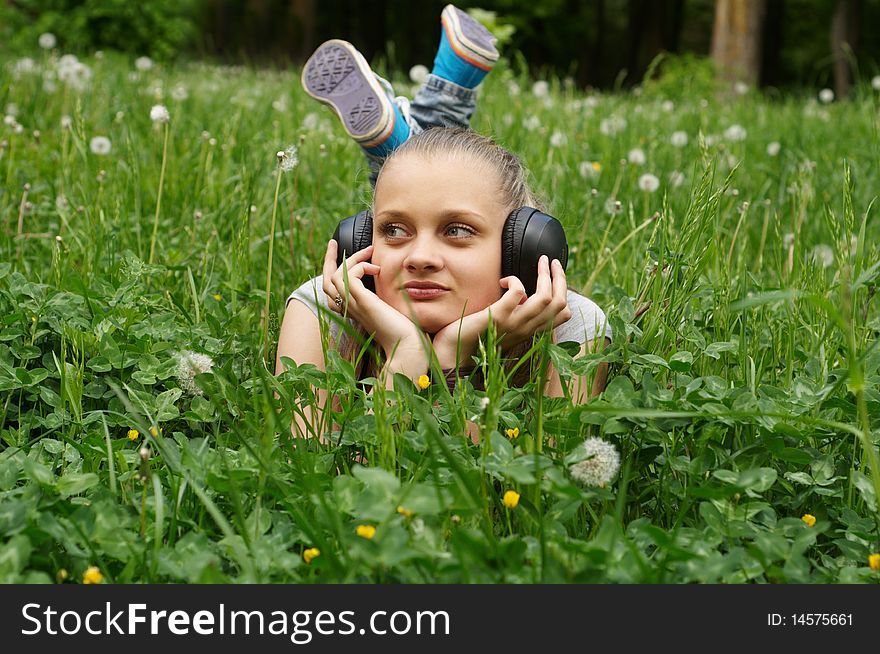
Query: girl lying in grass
[(439, 233)]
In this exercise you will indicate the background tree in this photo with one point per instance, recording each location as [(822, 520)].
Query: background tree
[(737, 38)]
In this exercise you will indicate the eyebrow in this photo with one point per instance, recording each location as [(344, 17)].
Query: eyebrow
[(445, 215)]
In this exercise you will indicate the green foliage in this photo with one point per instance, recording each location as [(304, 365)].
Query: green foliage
[(681, 77), (745, 371), (158, 28)]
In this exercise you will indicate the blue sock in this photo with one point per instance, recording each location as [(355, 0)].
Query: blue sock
[(397, 137), (453, 67)]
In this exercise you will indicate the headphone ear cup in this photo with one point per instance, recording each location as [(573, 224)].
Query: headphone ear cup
[(354, 234), (511, 239), (529, 233)]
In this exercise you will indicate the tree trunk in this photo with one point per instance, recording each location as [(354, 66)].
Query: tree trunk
[(844, 35), (736, 39)]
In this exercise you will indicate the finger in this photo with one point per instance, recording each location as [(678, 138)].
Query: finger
[(329, 264), (544, 287), (515, 295), (363, 254), (560, 286)]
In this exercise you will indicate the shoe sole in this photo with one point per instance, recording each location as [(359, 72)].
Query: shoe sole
[(468, 38), (338, 75)]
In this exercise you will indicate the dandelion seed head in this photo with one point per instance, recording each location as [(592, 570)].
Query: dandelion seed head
[(735, 132), (741, 88), (649, 183), (676, 178), (288, 159), (190, 364), (679, 139), (773, 148), (532, 123), (558, 139), (875, 82), (143, 64), (541, 89), (826, 96), (613, 206), (601, 466), (418, 74), (24, 66), (179, 93), (636, 156), (823, 255), (159, 114), (47, 40), (100, 145)]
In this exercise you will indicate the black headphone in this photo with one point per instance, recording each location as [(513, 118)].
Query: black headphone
[(528, 233)]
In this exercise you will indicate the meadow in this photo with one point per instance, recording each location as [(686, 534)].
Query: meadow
[(729, 236)]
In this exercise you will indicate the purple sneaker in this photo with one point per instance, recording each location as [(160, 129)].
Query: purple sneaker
[(339, 76)]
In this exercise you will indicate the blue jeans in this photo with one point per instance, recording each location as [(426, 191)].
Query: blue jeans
[(438, 103)]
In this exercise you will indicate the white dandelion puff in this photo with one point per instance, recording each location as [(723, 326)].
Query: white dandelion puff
[(875, 82), (679, 139), (418, 74), (601, 466), (787, 240), (636, 156), (100, 145), (558, 139), (532, 123), (24, 66), (190, 364), (668, 106), (47, 40), (676, 178), (735, 133), (823, 255), (541, 89), (649, 183), (612, 125), (159, 114), (66, 122), (288, 159), (613, 206), (773, 148), (741, 88), (589, 169), (513, 88), (143, 64), (826, 96), (179, 93)]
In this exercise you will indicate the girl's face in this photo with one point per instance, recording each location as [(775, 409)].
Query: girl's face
[(437, 238)]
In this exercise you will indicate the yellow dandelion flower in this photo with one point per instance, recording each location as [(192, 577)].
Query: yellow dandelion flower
[(511, 499), (133, 434), (154, 432), (311, 554), (92, 576), (597, 166), (406, 513), (874, 561), (365, 531), (424, 381), (512, 433), (809, 519), (217, 296)]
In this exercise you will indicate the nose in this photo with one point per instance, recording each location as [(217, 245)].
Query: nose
[(423, 254)]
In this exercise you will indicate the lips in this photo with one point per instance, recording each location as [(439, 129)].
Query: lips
[(421, 290)]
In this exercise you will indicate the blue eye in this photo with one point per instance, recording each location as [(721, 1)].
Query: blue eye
[(463, 232), (391, 230)]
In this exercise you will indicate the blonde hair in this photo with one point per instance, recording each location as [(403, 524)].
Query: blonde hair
[(514, 190)]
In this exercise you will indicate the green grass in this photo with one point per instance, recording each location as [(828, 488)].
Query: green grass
[(744, 374)]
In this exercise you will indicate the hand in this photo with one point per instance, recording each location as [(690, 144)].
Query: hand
[(517, 317), (392, 329)]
